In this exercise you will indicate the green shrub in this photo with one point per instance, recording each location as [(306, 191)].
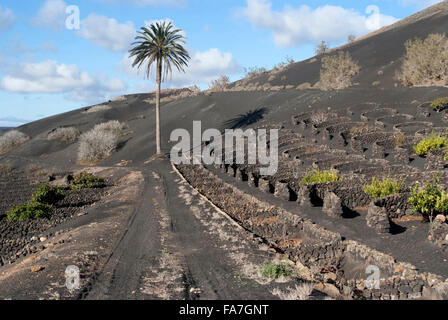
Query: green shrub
[(429, 201), (85, 180), (440, 104), (32, 210), (380, 189), (47, 194), (317, 176), (275, 271), (434, 141), (40, 206)]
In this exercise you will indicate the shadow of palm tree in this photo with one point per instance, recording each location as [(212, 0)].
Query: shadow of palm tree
[(245, 119)]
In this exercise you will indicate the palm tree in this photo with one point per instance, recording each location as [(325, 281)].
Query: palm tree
[(162, 44)]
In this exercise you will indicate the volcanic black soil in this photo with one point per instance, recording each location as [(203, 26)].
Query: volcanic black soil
[(160, 239), (21, 238)]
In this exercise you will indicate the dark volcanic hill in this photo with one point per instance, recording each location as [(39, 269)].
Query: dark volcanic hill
[(382, 50), (361, 132)]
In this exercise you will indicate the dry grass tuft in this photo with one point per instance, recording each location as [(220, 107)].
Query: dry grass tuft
[(304, 86), (12, 139), (254, 72), (426, 61), (299, 292), (98, 108), (320, 117), (64, 134), (177, 94), (219, 84), (112, 126), (119, 99), (338, 71), (100, 142)]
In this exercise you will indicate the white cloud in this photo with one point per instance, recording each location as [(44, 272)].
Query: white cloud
[(107, 32), (143, 3), (166, 20), (103, 31), (297, 26), (203, 68), (419, 3), (51, 15), (7, 18), (48, 46), (50, 77), (16, 48), (148, 23)]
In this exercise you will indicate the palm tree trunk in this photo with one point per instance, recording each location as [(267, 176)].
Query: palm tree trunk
[(159, 76)]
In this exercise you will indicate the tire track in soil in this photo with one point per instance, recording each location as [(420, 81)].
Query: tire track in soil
[(221, 260), (178, 246), (138, 248)]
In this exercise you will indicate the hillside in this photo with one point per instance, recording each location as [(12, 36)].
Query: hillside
[(155, 230), (3, 130), (382, 50)]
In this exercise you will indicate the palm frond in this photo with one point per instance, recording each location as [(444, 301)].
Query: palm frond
[(160, 43)]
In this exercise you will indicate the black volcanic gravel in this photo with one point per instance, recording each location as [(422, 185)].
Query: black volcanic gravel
[(21, 238), (15, 188), (395, 119)]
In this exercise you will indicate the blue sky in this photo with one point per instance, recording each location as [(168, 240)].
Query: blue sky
[(47, 68)]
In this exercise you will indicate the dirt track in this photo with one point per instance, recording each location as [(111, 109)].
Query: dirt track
[(178, 246), (157, 238)]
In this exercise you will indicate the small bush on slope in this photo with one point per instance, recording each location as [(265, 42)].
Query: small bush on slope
[(426, 61), (11, 140), (429, 201), (337, 71), (40, 206), (434, 141), (299, 292), (98, 108), (275, 271), (64, 134), (219, 84), (321, 48), (32, 210), (99, 143), (253, 72), (85, 180), (113, 126), (379, 189), (96, 145), (47, 194), (320, 117), (440, 104), (317, 176)]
